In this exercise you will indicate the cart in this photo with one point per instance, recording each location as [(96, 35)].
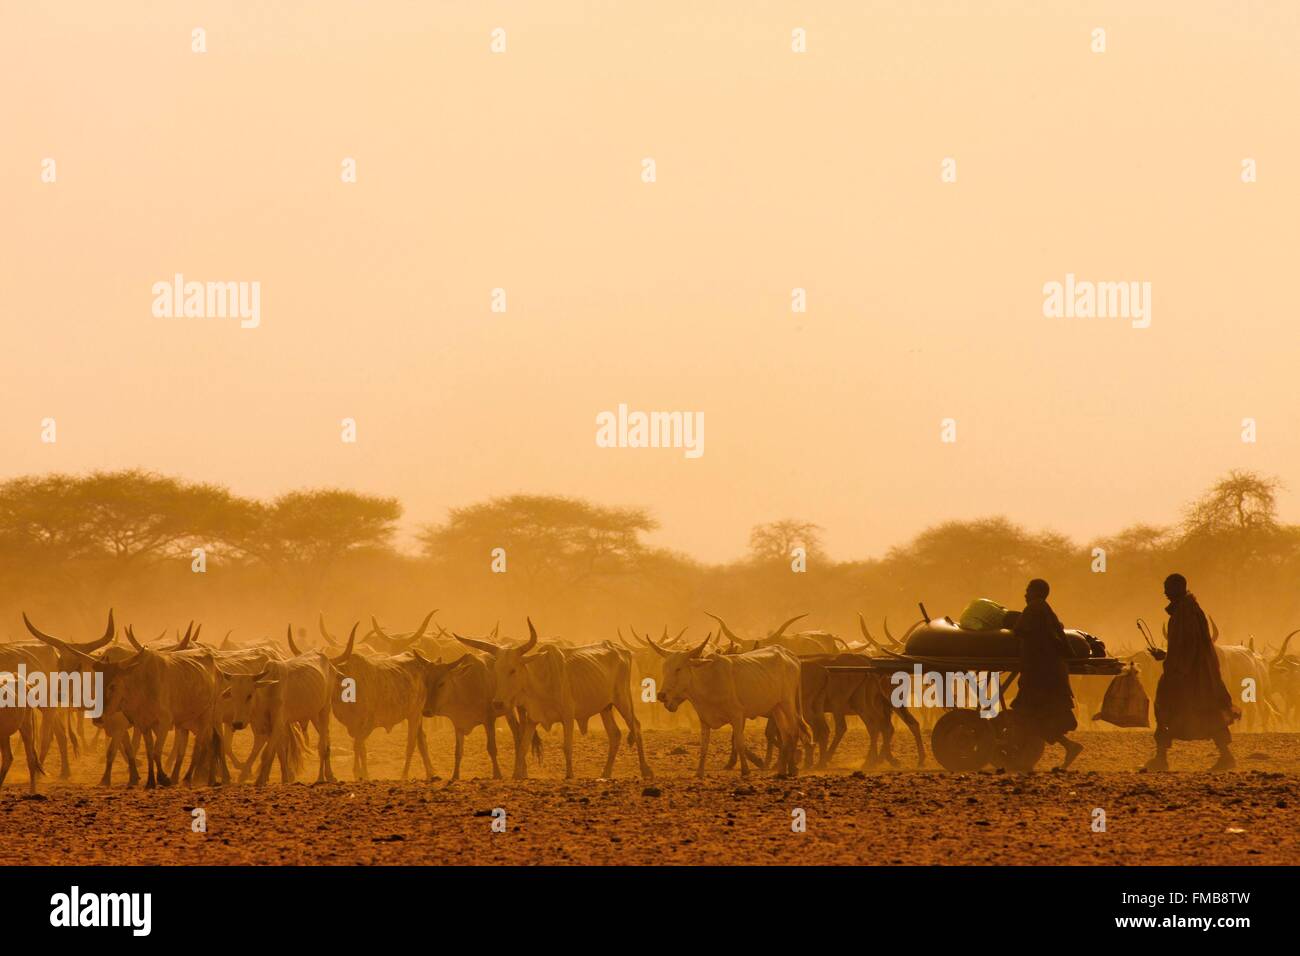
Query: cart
[(962, 739)]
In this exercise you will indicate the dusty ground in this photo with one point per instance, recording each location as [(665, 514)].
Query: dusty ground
[(904, 816)]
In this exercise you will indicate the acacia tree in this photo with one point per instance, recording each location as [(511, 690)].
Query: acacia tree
[(558, 547), (303, 536), (774, 542), (83, 537)]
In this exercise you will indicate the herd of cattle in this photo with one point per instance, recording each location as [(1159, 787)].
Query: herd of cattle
[(191, 690)]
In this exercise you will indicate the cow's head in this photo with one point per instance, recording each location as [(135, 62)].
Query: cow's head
[(508, 667), (679, 672), (123, 682), (245, 693), (438, 678)]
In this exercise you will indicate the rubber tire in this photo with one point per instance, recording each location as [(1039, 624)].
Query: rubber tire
[(962, 740), (1014, 746)]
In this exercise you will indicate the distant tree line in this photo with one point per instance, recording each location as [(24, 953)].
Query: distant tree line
[(72, 545)]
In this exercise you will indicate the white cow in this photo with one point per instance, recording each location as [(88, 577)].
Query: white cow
[(564, 685)]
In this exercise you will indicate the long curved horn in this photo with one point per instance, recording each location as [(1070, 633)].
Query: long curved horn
[(908, 632), (492, 649), (622, 640), (495, 629), (130, 636), (656, 648), (347, 651), (427, 618), (699, 649), (676, 640), (532, 638), (781, 630), (890, 637), (862, 626), (1282, 653), (189, 638), (62, 645), (85, 647), (1214, 630), (42, 636), (324, 633), (225, 641), (107, 638), (288, 632), (723, 624)]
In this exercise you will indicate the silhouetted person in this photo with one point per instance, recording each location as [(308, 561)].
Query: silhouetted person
[(1045, 696), (1192, 702)]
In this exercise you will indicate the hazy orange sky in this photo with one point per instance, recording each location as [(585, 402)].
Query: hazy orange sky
[(776, 170)]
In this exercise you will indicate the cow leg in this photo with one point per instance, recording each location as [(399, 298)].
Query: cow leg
[(106, 779), (773, 740), (27, 732), (872, 758), (179, 746), (738, 743), (150, 751), (634, 734), (841, 727), (360, 766), (286, 754), (887, 742), (422, 741), (412, 733), (217, 769), (270, 746), (6, 757), (322, 722), (325, 744), (52, 728), (611, 729), (460, 751), (910, 722), (490, 728), (129, 744), (704, 748), (527, 728), (568, 748), (260, 742)]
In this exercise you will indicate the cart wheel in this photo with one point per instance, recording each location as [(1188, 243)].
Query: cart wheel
[(961, 740), (1014, 745)]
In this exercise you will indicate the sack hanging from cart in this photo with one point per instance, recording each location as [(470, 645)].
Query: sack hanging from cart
[(1126, 704)]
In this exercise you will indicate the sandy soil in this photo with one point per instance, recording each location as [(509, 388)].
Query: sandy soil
[(898, 816)]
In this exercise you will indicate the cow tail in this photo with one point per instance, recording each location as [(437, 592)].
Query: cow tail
[(74, 739), (805, 732), (36, 750)]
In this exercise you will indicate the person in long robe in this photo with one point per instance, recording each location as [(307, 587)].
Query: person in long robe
[(1192, 702), (1045, 696)]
